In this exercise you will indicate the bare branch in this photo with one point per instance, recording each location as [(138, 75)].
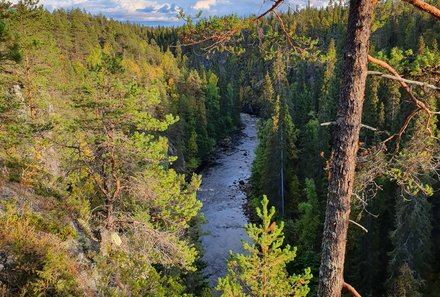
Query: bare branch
[(420, 104), (434, 11), (414, 82), (350, 289), (359, 225), (362, 125)]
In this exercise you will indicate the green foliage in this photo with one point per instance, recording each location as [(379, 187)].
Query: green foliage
[(274, 166), (119, 144), (307, 226), (96, 118), (140, 279), (406, 168), (261, 271), (10, 49)]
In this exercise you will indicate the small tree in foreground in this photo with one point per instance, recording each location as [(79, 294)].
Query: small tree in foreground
[(261, 271)]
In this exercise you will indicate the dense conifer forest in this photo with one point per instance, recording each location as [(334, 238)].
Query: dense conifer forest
[(104, 126)]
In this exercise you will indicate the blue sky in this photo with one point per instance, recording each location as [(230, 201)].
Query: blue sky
[(163, 12)]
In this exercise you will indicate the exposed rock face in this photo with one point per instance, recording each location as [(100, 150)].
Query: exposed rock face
[(179, 165), (110, 239), (24, 109)]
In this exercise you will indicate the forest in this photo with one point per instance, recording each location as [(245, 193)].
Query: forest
[(106, 128)]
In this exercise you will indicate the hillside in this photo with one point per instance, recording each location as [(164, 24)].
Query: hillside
[(104, 124)]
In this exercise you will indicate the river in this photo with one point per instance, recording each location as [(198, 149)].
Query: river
[(223, 201)]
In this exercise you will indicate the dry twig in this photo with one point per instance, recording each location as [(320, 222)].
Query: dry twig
[(408, 81), (362, 125)]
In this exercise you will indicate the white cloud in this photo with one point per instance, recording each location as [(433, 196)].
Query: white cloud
[(204, 4), (124, 10), (134, 5)]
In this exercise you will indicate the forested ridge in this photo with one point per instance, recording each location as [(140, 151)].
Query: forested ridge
[(103, 125), (94, 118)]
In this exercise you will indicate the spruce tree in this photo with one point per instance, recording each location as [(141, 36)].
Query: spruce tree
[(328, 92), (393, 105), (267, 98), (307, 226), (278, 176), (215, 125), (229, 111), (371, 105), (411, 240)]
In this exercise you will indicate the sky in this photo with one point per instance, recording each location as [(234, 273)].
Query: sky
[(164, 12)]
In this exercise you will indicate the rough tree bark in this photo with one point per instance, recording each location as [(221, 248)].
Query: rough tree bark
[(345, 147)]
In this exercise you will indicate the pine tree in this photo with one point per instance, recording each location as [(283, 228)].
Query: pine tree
[(421, 47), (262, 270), (279, 77), (307, 225), (381, 115), (197, 103), (119, 148), (192, 152), (346, 137), (10, 49), (310, 164)]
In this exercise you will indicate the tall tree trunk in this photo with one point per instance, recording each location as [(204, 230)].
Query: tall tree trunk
[(345, 147)]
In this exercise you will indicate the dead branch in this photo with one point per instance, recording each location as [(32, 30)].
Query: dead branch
[(362, 125), (390, 69), (420, 104), (350, 289), (161, 246), (414, 82), (359, 225), (434, 11)]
